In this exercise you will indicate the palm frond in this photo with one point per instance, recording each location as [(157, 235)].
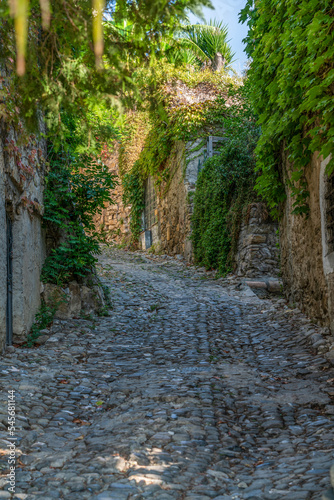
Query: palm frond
[(190, 45), (206, 40)]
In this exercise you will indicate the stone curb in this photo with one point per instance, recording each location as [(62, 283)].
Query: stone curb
[(270, 285)]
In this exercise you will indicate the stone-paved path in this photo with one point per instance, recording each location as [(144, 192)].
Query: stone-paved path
[(188, 390)]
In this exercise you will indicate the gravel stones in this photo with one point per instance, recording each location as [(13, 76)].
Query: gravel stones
[(188, 390)]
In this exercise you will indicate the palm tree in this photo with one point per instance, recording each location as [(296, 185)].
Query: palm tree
[(208, 43)]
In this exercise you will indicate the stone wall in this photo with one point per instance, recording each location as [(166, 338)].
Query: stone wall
[(258, 252), (172, 232), (74, 299), (114, 221), (21, 202), (173, 210), (301, 251), (3, 251)]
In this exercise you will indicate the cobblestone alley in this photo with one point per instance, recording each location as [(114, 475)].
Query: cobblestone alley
[(191, 388)]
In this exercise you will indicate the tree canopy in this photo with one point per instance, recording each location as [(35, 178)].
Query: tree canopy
[(60, 62)]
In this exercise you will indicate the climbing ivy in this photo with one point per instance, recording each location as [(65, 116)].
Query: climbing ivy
[(224, 191), (292, 73), (76, 189), (169, 124)]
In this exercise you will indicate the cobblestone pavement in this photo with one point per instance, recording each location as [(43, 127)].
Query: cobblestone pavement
[(192, 389)]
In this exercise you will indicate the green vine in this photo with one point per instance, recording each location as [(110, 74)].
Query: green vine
[(43, 319), (292, 75), (170, 124), (76, 189), (224, 190)]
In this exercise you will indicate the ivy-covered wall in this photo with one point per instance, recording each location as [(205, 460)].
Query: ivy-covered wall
[(200, 206), (292, 74)]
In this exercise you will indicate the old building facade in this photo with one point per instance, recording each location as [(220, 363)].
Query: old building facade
[(307, 251), (22, 247)]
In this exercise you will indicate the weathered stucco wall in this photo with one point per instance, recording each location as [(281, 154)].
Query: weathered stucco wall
[(301, 250), (21, 200), (28, 258)]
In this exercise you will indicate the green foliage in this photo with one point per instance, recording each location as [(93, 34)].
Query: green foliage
[(76, 189), (43, 319), (153, 80), (171, 124), (224, 189), (204, 41), (292, 49), (61, 75)]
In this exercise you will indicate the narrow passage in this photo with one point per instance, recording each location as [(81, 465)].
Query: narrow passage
[(189, 390)]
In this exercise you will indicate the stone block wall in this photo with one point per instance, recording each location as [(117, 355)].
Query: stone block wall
[(114, 221), (258, 253), (75, 299), (302, 268), (175, 201)]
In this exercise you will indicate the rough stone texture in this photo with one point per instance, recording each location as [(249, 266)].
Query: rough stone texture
[(74, 299), (22, 184), (3, 250), (301, 251), (179, 94), (191, 388), (114, 221), (175, 203), (258, 251)]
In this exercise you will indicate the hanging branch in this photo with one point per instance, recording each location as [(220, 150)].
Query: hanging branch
[(98, 8), (19, 11)]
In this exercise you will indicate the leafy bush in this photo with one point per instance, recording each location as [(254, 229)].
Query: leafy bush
[(76, 189), (224, 189), (292, 72)]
